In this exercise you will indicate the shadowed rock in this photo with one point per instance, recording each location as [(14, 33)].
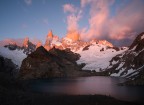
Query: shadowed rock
[(53, 63)]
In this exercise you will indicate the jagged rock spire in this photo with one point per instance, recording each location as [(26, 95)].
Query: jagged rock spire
[(47, 44), (26, 42), (50, 34)]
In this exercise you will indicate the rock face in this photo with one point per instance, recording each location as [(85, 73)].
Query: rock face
[(7, 66), (73, 35), (47, 45), (53, 63), (50, 34), (28, 46), (26, 42), (130, 64), (138, 43)]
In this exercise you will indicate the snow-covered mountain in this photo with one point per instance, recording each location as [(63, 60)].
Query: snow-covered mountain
[(16, 51), (95, 55), (130, 63), (16, 56)]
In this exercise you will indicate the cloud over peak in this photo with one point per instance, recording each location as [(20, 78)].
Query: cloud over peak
[(73, 17), (106, 23)]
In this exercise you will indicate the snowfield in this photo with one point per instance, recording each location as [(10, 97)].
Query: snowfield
[(95, 59), (16, 56)]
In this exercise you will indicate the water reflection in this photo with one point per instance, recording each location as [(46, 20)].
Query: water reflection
[(89, 85)]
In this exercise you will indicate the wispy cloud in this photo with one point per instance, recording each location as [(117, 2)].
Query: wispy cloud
[(99, 13), (69, 8), (73, 17), (28, 2)]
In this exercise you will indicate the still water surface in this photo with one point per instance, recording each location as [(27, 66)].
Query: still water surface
[(89, 86)]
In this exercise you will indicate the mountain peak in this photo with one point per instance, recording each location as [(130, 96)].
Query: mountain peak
[(138, 43), (50, 34), (41, 49), (26, 42), (73, 35), (105, 42)]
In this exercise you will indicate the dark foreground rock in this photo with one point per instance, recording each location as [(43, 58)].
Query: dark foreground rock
[(7, 66), (16, 92), (21, 98), (49, 64)]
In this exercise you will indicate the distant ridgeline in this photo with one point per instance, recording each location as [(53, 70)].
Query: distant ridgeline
[(95, 57)]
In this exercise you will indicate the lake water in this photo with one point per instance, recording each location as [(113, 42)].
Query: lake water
[(89, 86)]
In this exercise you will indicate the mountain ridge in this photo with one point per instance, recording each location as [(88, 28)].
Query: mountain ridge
[(95, 55)]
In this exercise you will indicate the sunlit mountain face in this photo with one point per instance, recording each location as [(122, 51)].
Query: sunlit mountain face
[(71, 52)]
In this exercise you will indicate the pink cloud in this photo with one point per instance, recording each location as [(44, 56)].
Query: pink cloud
[(73, 17), (85, 2), (69, 8), (8, 40), (99, 12), (128, 20)]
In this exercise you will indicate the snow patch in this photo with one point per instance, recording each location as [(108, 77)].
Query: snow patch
[(117, 74), (134, 47), (95, 59), (120, 66), (130, 71), (142, 37), (57, 43), (16, 56)]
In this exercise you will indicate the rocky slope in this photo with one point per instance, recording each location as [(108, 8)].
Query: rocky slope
[(96, 54), (130, 64), (54, 63), (7, 66)]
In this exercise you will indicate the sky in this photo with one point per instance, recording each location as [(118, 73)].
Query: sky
[(118, 21)]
